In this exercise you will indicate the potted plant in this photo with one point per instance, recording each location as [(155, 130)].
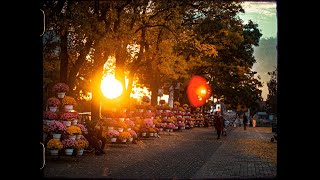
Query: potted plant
[(181, 109), (162, 101), (124, 136), (140, 107), (68, 117), (146, 99), (148, 122), (82, 143), (56, 128), (151, 131), (160, 108), (84, 130), (143, 131), (112, 134), (149, 108), (49, 116), (130, 123), (69, 103), (53, 104), (176, 103), (54, 145), (73, 131), (121, 125), (133, 133), (148, 114), (60, 89), (69, 145), (170, 127)]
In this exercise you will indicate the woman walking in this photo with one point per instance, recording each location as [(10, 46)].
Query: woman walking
[(218, 123)]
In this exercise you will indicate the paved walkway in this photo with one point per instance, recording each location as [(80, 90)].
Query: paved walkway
[(190, 154)]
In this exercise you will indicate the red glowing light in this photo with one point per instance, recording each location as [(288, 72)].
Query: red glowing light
[(198, 91)]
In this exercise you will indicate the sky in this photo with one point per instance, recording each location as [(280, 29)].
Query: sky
[(265, 15)]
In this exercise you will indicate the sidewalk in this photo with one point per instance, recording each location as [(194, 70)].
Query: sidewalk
[(229, 161), (190, 154)]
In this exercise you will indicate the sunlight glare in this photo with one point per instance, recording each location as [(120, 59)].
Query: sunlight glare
[(111, 88)]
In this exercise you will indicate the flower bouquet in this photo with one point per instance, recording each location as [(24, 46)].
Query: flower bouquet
[(53, 102), (69, 143), (54, 144), (124, 135), (60, 87), (73, 130), (56, 127)]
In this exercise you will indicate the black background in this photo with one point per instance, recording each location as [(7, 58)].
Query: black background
[(296, 151)]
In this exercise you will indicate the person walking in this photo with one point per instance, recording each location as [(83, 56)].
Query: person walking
[(218, 123), (245, 121), (254, 119)]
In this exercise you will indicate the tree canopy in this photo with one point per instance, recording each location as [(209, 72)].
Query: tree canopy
[(153, 42)]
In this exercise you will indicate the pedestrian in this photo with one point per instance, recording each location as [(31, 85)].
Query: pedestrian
[(254, 119), (218, 123), (245, 121)]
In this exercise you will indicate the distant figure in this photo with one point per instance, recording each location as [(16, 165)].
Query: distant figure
[(245, 121), (218, 123), (254, 119)]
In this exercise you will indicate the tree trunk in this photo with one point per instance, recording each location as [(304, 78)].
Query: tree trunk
[(96, 95), (154, 87), (127, 92), (171, 95), (154, 95), (64, 62), (100, 60)]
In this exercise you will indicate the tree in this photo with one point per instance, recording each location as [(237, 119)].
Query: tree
[(271, 101), (229, 70), (173, 40)]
